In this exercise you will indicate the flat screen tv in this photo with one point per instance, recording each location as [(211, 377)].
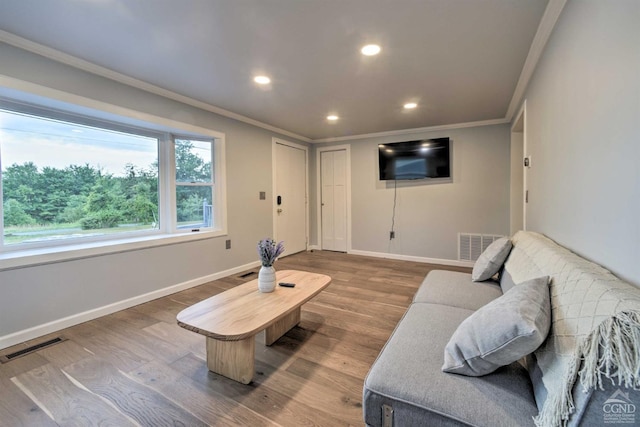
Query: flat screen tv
[(425, 158)]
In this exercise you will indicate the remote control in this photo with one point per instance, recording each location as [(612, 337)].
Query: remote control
[(287, 285)]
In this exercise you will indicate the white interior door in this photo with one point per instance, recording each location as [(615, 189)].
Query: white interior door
[(519, 189), (291, 197), (334, 200), (517, 179)]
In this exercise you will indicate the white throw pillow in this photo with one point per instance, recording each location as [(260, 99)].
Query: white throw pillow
[(491, 260), (501, 332)]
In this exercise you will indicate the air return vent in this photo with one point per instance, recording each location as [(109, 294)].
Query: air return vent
[(23, 352), (470, 246)]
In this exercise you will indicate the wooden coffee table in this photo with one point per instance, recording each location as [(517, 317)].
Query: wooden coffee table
[(231, 319)]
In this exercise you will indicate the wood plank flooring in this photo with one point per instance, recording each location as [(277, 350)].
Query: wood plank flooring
[(138, 368)]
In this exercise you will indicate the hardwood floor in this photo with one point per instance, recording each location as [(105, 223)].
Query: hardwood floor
[(137, 367)]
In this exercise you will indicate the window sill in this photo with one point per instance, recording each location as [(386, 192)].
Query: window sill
[(33, 257)]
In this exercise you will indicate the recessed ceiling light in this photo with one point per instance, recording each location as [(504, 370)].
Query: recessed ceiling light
[(262, 80), (410, 105), (332, 117), (370, 50)]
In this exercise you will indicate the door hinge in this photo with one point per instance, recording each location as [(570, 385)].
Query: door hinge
[(526, 196)]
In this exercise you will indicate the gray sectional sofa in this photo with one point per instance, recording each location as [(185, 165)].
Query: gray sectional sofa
[(589, 361)]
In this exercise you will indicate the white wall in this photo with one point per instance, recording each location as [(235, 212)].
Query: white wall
[(583, 132), (33, 296), (430, 216)]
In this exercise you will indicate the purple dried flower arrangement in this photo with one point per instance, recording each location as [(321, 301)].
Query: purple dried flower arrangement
[(269, 251)]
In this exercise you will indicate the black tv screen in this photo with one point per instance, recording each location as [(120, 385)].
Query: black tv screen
[(426, 158)]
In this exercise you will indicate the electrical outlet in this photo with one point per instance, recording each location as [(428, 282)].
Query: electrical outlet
[(392, 235), (227, 244)]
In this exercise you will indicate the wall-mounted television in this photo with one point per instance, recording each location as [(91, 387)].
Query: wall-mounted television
[(421, 159)]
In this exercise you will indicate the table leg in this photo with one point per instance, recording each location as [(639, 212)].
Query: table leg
[(232, 359), (280, 327)]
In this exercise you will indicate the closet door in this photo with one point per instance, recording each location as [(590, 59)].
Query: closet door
[(334, 200)]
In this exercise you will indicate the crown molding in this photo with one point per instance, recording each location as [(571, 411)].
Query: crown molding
[(92, 68), (547, 24), (412, 131)]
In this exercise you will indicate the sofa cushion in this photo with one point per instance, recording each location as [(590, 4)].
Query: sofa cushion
[(456, 289), (501, 332), (407, 377), (491, 260)]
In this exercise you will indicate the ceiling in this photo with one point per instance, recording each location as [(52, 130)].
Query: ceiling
[(460, 60)]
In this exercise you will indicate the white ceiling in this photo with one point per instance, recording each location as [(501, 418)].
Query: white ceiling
[(459, 59)]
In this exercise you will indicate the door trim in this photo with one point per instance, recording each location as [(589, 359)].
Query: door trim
[(274, 142), (522, 115), (319, 151)]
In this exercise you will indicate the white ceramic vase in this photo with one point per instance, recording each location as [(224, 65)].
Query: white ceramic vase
[(266, 279)]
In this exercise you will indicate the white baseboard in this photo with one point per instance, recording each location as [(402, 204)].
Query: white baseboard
[(451, 262), (75, 319), (314, 248)]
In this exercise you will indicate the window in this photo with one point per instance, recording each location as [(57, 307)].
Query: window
[(67, 179), (194, 183)]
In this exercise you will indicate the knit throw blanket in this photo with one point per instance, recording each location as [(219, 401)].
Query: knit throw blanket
[(595, 330)]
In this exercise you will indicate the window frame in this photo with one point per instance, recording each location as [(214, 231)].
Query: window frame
[(20, 255), (211, 184)]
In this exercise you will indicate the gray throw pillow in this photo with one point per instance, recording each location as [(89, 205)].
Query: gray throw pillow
[(501, 332), (491, 260)]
